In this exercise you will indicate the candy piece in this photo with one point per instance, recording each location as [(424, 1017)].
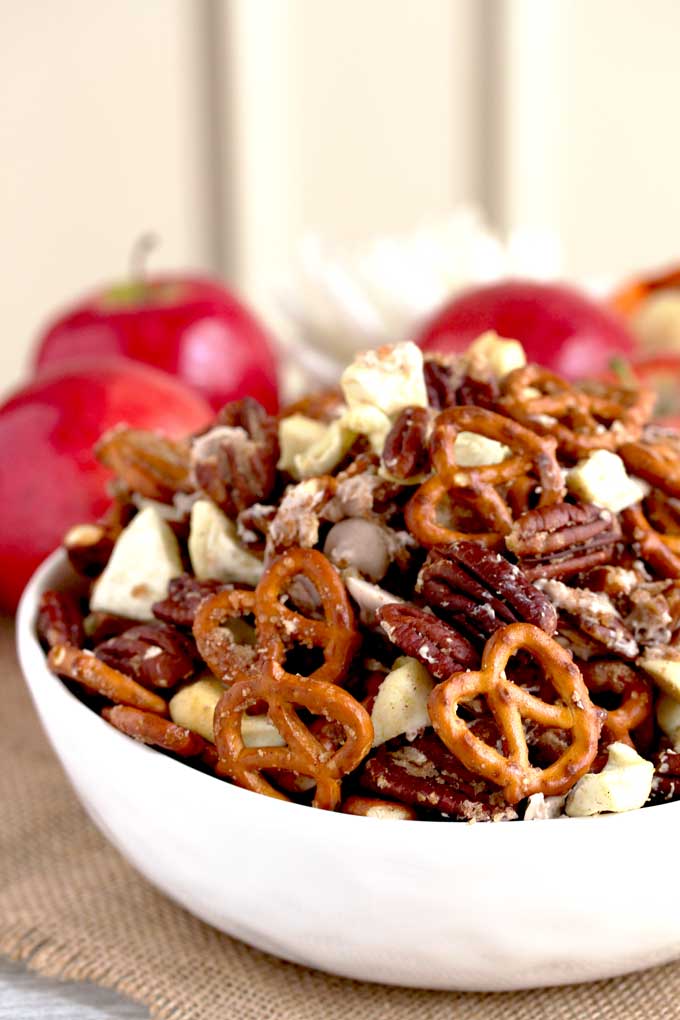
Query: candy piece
[(624, 784)]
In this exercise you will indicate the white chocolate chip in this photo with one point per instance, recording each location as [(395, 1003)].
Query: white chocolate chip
[(144, 560), (368, 420), (472, 450), (360, 545), (401, 702), (490, 354), (668, 717), (369, 597), (602, 479), (214, 549), (624, 784), (258, 731), (540, 807)]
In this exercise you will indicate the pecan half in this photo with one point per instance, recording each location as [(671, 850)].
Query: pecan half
[(442, 378), (60, 621), (405, 452), (427, 776), (148, 464), (88, 547), (563, 539), (666, 781), (428, 639), (185, 594), (480, 591), (235, 461), (594, 613), (153, 654)]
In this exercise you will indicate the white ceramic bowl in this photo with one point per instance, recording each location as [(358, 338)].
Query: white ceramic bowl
[(427, 904)]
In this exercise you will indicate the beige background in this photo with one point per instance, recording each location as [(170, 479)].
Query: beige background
[(232, 126)]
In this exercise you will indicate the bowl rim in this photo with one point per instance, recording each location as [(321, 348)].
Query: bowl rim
[(31, 657)]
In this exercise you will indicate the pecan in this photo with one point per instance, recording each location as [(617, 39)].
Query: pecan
[(594, 613), (88, 547), (478, 392), (425, 637), (442, 377), (427, 776), (235, 461), (666, 781), (60, 621), (479, 591), (405, 452), (185, 594), (153, 654), (149, 464), (252, 525), (563, 539)]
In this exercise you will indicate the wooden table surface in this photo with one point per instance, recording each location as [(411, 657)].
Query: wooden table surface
[(27, 996)]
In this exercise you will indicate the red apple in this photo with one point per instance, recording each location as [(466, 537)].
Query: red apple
[(188, 326), (559, 326), (49, 478)]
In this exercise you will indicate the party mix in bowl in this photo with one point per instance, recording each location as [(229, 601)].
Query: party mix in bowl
[(448, 590)]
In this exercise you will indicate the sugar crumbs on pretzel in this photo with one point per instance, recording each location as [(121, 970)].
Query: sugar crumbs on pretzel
[(447, 589)]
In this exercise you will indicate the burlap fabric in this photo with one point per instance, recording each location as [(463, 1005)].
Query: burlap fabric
[(70, 907)]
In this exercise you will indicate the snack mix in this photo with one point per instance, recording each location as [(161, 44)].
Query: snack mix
[(449, 590)]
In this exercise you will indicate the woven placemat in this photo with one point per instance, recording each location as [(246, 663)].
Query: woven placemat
[(70, 907)]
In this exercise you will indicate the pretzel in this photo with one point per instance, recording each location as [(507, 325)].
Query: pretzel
[(661, 551), (477, 486), (86, 669), (551, 406), (216, 642), (657, 462), (623, 681), (304, 754), (335, 633), (510, 704), (153, 729)]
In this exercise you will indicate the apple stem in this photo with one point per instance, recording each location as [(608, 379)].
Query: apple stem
[(139, 256)]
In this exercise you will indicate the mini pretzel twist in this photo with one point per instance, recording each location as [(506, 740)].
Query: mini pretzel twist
[(304, 754), (581, 420), (510, 704), (636, 697), (259, 679), (478, 487)]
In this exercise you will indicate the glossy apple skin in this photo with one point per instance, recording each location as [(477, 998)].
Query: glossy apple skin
[(559, 326), (188, 326), (49, 478)]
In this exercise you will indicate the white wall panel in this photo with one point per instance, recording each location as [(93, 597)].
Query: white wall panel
[(102, 137), (589, 98)]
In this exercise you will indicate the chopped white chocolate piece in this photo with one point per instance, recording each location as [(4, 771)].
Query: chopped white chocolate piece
[(369, 597), (668, 717), (258, 731), (296, 434), (368, 420), (325, 453), (664, 671), (401, 702), (491, 354), (472, 450), (602, 479), (214, 549), (539, 807), (194, 708), (144, 560), (389, 378), (624, 784)]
